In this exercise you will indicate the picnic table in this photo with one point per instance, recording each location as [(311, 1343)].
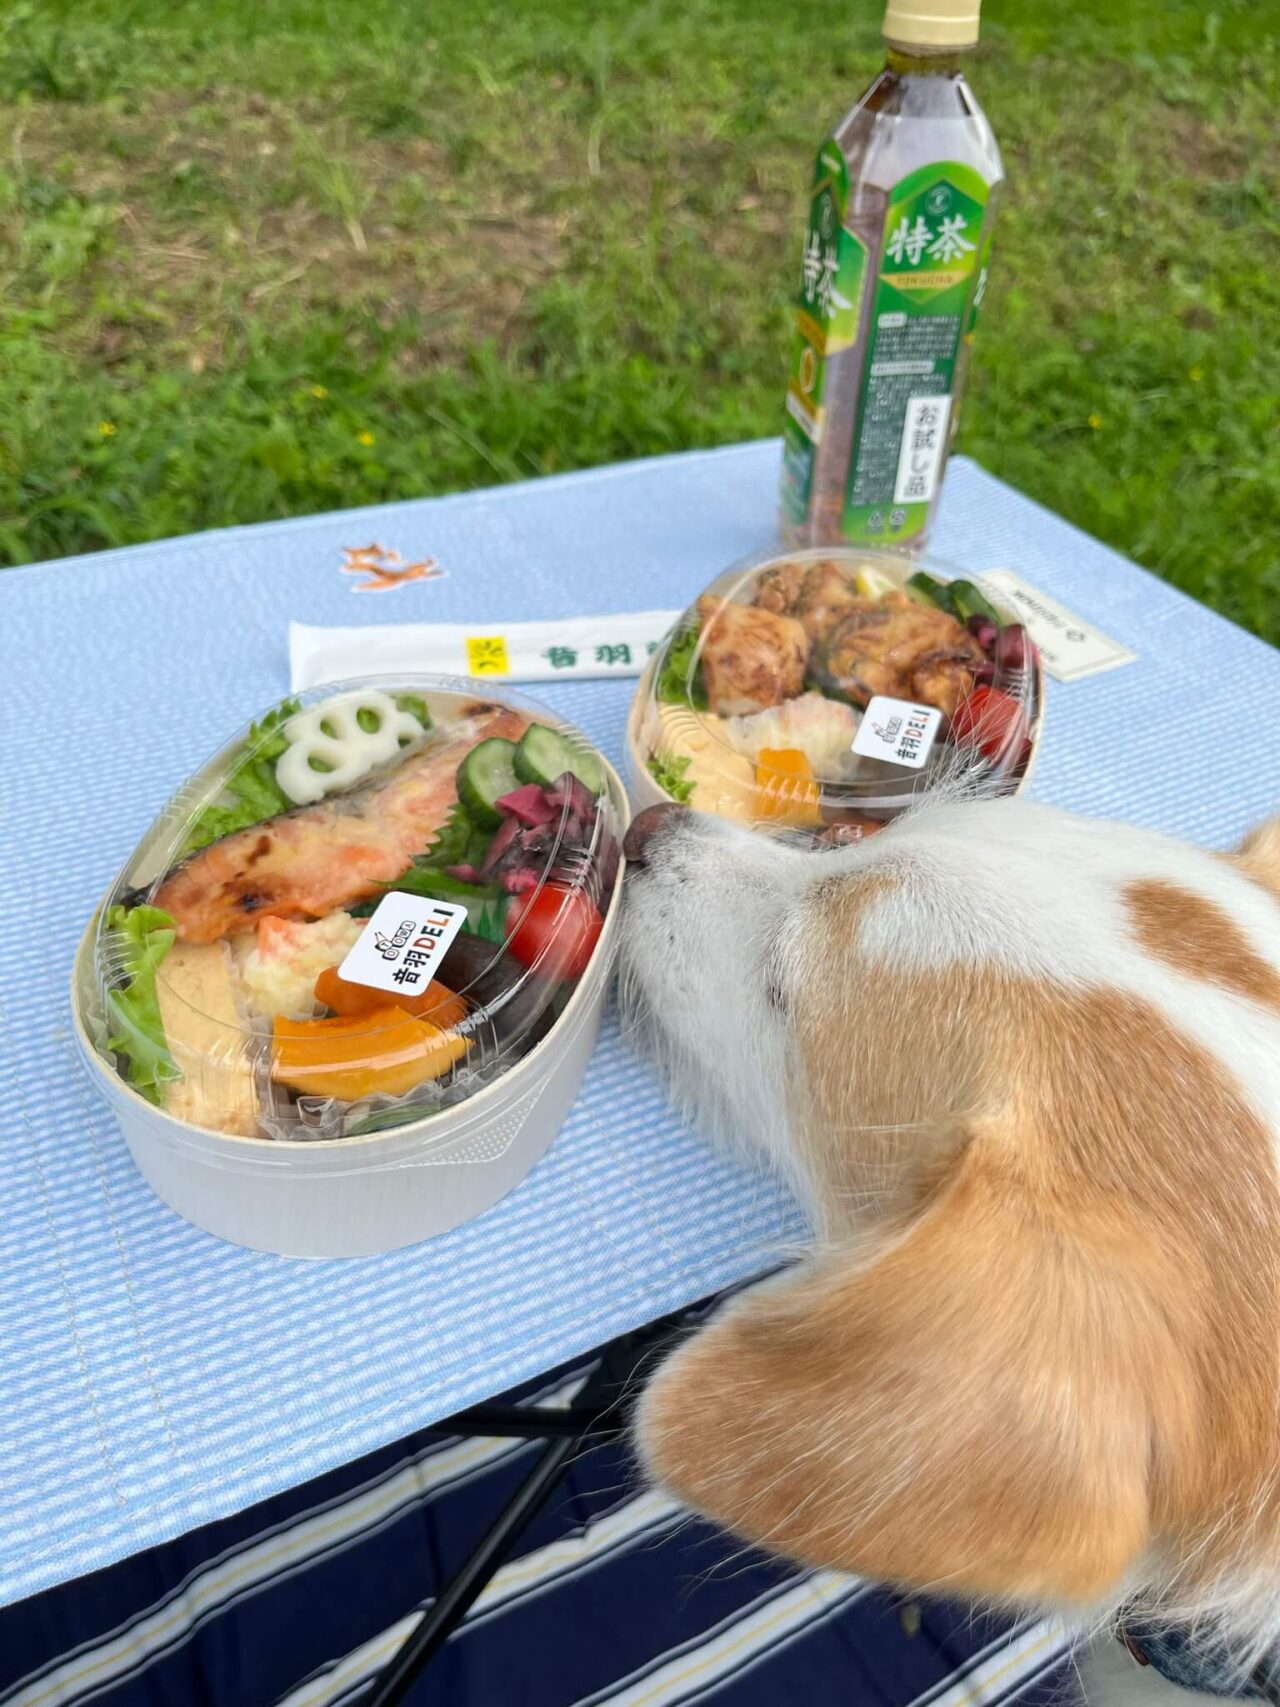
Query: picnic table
[(156, 1378)]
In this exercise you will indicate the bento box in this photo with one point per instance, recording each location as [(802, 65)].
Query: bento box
[(817, 693), (342, 995)]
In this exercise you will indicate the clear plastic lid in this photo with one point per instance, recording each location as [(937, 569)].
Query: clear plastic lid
[(369, 904), (818, 692)]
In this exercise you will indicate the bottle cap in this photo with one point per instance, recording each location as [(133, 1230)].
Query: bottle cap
[(932, 24)]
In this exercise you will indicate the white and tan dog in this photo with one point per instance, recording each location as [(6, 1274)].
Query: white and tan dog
[(1024, 1070)]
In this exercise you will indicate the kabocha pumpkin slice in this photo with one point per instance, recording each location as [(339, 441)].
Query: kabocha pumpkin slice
[(786, 788), (384, 1051), (436, 1003)]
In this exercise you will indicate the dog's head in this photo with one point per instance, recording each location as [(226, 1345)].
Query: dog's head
[(1025, 1071)]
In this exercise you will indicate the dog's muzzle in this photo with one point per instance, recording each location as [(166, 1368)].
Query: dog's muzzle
[(646, 827)]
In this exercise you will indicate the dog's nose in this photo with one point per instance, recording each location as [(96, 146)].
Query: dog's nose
[(644, 827)]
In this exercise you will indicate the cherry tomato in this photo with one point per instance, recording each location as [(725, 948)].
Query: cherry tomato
[(992, 722), (556, 929)]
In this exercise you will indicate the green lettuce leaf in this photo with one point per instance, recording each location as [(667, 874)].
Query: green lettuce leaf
[(387, 1119), (459, 841), (138, 939), (676, 686), (486, 903), (253, 783), (668, 771)]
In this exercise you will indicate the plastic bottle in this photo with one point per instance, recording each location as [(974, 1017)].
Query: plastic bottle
[(893, 272)]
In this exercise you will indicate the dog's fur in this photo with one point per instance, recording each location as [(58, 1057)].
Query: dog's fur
[(1024, 1070)]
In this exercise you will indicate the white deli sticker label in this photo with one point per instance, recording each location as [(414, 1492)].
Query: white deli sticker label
[(924, 438), (403, 944), (898, 731), (1070, 647)]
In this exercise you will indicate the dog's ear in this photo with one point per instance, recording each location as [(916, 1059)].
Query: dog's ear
[(978, 1408), (1259, 853)]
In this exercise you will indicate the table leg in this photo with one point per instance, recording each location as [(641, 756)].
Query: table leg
[(451, 1606), (599, 1413), (517, 1422)]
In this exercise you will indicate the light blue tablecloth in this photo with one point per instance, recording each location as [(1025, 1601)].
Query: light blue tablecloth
[(154, 1378)]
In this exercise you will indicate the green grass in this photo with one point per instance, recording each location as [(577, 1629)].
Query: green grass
[(261, 257)]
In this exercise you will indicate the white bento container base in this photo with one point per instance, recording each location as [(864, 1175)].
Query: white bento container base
[(352, 1197)]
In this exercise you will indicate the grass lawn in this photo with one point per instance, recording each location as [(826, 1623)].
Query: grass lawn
[(261, 257)]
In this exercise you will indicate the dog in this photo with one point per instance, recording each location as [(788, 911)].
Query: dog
[(1022, 1069)]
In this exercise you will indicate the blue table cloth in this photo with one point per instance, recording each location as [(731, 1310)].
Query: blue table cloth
[(156, 1379)]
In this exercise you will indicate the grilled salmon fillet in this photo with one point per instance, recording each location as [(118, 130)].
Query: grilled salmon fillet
[(305, 863)]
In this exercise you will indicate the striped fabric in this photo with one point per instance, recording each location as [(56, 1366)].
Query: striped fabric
[(617, 1599)]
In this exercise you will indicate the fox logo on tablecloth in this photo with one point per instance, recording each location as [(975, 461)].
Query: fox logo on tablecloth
[(386, 569)]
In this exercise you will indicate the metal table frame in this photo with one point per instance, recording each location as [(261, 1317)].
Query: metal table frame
[(601, 1412)]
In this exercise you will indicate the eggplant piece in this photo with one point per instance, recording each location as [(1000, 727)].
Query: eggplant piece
[(511, 1002), (1013, 649), (984, 631)]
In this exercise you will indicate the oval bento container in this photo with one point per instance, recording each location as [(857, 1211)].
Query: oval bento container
[(816, 693), (343, 993)]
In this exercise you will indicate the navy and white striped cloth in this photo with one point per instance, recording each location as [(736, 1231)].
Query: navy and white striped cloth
[(617, 1598)]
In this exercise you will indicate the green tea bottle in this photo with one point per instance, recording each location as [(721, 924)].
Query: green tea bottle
[(891, 278)]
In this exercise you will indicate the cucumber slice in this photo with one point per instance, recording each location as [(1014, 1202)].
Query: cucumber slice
[(484, 776), (929, 591), (543, 757), (968, 600)]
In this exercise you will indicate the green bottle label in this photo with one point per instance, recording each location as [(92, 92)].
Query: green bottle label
[(832, 271), (924, 302), (980, 288)]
